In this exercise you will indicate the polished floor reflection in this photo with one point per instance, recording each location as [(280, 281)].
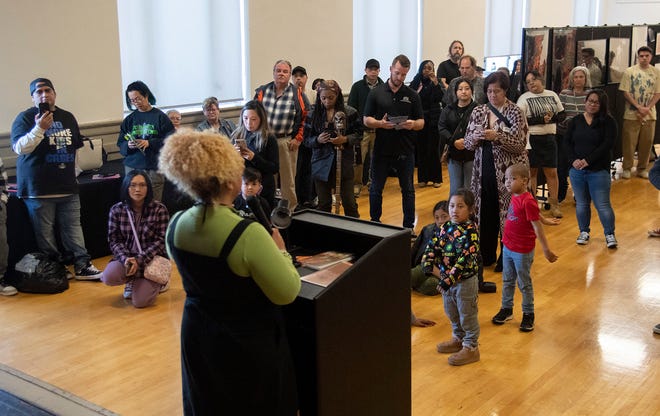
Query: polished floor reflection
[(592, 351)]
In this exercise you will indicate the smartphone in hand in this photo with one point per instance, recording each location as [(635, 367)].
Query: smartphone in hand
[(240, 143), (43, 107)]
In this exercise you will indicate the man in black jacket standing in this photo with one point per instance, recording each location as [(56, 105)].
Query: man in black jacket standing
[(356, 99)]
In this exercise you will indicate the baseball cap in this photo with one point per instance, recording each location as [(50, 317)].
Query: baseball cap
[(39, 82), (299, 69), (372, 63)]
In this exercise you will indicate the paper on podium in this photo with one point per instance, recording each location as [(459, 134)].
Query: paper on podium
[(328, 275)]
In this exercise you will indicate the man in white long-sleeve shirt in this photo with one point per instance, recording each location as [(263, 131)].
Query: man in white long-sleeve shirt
[(46, 141)]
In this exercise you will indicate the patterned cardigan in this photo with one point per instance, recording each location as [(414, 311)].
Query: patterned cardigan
[(151, 230), (508, 149)]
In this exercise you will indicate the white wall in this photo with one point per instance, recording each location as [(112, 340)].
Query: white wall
[(445, 21), (630, 12), (72, 42), (75, 43), (315, 35), (551, 13)]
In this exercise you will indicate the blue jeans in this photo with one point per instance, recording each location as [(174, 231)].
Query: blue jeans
[(460, 174), (461, 308), (592, 186), (516, 268), (405, 166), (4, 248), (64, 211)]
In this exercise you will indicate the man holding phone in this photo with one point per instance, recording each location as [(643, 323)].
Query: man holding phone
[(45, 138)]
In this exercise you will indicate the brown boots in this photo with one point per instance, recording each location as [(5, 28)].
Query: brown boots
[(554, 208), (462, 355), (465, 356)]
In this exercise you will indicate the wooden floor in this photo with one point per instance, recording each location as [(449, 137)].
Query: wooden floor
[(592, 352)]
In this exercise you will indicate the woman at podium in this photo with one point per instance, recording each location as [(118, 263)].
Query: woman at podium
[(235, 355)]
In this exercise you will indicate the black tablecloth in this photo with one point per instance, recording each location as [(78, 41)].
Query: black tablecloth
[(97, 196)]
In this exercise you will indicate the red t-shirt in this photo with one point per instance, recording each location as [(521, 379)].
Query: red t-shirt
[(519, 235)]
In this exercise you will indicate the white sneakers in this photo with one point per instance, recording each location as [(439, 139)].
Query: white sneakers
[(583, 238)]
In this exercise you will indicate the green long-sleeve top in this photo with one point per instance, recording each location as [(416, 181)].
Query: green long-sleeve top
[(203, 230)]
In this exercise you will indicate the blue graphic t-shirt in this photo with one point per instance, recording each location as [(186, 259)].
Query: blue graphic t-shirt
[(50, 168)]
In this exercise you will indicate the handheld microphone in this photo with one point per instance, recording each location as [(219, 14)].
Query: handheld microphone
[(281, 215), (255, 204)]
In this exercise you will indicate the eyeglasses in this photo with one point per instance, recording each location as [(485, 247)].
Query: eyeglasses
[(593, 102), (137, 99), (137, 185)]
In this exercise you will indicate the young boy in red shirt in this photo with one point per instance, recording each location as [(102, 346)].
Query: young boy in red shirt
[(524, 224)]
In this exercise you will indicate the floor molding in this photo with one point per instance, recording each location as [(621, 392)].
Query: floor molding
[(47, 396)]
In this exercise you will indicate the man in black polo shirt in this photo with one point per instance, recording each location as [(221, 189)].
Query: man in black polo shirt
[(395, 111)]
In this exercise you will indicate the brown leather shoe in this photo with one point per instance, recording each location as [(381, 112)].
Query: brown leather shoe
[(466, 355), (454, 345)]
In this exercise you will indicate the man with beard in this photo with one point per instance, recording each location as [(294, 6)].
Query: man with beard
[(448, 70), (394, 110)]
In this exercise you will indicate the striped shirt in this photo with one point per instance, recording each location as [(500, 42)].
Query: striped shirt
[(573, 105)]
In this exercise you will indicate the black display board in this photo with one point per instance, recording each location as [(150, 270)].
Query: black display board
[(555, 51)]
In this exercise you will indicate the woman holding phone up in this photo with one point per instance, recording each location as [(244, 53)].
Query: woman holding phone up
[(258, 146)]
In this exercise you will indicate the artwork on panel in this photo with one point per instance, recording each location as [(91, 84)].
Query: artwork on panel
[(619, 59), (639, 39), (563, 57), (651, 39), (591, 53), (536, 50)]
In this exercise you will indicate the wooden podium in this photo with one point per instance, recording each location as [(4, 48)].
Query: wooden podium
[(351, 340)]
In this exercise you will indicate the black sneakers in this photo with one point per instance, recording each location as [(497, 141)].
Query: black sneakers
[(88, 272), (527, 324), (505, 314)]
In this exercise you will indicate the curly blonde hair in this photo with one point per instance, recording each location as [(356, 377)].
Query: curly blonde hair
[(198, 162)]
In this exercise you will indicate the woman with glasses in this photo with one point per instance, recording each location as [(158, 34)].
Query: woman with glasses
[(142, 134), (497, 133), (588, 142), (137, 210), (213, 121), (543, 110)]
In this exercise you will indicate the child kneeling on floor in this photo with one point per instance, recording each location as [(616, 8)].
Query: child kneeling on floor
[(524, 224), (420, 282), (453, 256)]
